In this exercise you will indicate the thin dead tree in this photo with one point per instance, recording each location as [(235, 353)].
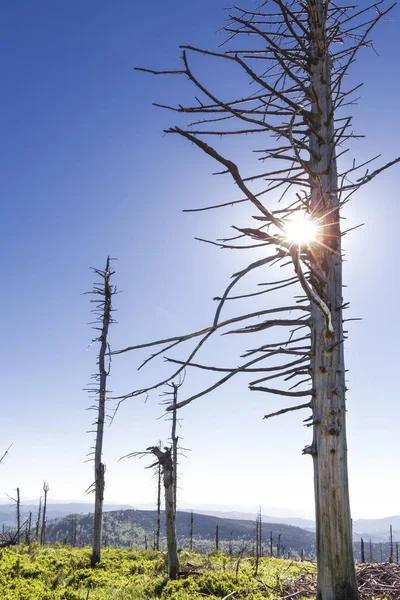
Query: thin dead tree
[(103, 293), (390, 544), (171, 402), (164, 458), (159, 473), (28, 529), (191, 531), (43, 532), (296, 55), (18, 515), (37, 531), (17, 501)]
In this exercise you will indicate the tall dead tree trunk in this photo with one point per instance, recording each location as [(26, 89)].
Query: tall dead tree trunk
[(175, 440), (103, 293), (297, 62), (336, 573)]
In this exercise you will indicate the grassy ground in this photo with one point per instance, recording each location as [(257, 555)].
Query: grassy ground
[(63, 573)]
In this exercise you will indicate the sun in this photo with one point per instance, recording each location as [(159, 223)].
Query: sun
[(300, 229)]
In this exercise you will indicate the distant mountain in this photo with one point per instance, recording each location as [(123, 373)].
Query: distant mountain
[(136, 528), (7, 511), (295, 521), (377, 530)]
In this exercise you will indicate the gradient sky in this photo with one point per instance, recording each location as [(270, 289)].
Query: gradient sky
[(86, 172)]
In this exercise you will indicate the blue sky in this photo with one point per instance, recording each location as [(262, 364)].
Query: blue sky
[(86, 172)]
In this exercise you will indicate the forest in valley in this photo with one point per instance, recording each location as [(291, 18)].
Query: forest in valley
[(290, 102)]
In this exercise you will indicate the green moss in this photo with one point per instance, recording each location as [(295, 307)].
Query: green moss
[(64, 573)]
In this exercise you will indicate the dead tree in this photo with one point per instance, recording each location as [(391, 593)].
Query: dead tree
[(164, 458), (296, 54), (102, 293), (17, 501), (258, 539), (171, 405), (37, 531), (191, 531), (43, 532), (159, 473), (18, 515), (28, 530)]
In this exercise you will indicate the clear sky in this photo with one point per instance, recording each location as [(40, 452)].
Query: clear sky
[(86, 172)]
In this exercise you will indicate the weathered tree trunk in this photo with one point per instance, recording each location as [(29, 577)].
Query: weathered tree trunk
[(336, 572), (43, 532), (28, 530), (18, 516), (38, 520), (158, 506), (175, 440), (165, 459), (99, 467), (191, 530), (173, 559)]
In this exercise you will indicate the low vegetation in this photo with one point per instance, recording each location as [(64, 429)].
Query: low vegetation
[(64, 573)]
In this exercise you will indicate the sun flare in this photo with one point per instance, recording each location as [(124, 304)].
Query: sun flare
[(301, 229)]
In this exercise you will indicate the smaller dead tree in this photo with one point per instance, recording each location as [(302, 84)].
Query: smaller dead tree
[(159, 473), (258, 539), (37, 532), (28, 530), (43, 533), (73, 532), (391, 544), (164, 459), (171, 403), (362, 551), (17, 501), (191, 531), (18, 515)]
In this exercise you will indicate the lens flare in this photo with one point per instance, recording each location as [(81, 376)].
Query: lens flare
[(301, 230)]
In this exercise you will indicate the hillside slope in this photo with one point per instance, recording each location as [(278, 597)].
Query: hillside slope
[(128, 528)]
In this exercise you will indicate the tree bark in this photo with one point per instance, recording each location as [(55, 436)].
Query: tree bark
[(43, 532), (18, 516), (38, 520), (175, 439), (99, 467), (165, 459), (173, 559), (158, 506), (336, 572)]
